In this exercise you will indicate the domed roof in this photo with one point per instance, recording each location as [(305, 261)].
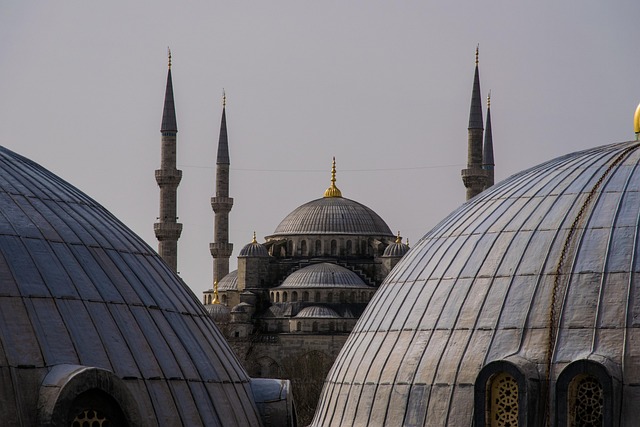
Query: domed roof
[(333, 215), (324, 275), (397, 249), (553, 248), (86, 305), (220, 313), (254, 249), (318, 312), (229, 282)]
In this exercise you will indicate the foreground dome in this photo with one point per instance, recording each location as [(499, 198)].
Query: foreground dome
[(95, 326), (523, 305)]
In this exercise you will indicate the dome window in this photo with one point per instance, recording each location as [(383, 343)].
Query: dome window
[(294, 296), (334, 247), (314, 327), (503, 401), (317, 297), (318, 247), (284, 297), (305, 296)]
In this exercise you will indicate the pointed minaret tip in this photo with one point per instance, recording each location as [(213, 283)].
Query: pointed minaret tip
[(224, 98), (169, 55), (489, 100), (477, 53)]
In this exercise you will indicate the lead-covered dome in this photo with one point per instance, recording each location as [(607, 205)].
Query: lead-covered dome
[(95, 325), (522, 303), (323, 275), (333, 215)]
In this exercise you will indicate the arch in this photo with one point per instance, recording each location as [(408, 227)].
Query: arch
[(294, 296), (349, 249), (318, 250), (334, 247), (330, 297), (585, 395), (290, 248), (284, 297), (272, 296), (224, 299), (298, 326), (305, 296), (317, 297), (341, 296), (506, 391), (277, 296), (303, 248), (314, 327)]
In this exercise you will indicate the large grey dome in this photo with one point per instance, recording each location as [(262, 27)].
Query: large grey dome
[(324, 275), (536, 280), (93, 318), (333, 215)]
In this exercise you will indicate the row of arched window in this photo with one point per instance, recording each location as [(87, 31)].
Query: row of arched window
[(326, 297), (332, 247), (504, 396)]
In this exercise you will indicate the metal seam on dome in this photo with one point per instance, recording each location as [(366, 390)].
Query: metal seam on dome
[(553, 315)]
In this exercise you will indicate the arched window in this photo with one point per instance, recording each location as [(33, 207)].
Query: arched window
[(349, 247), (224, 299), (334, 247), (277, 296), (294, 296), (314, 327), (344, 326), (317, 297), (290, 248), (284, 297), (298, 326), (303, 248), (584, 395), (95, 408), (272, 296), (353, 297), (330, 297), (332, 326), (318, 247), (341, 296), (503, 405), (305, 296)]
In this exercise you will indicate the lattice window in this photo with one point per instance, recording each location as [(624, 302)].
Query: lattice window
[(504, 401), (90, 418), (586, 402)]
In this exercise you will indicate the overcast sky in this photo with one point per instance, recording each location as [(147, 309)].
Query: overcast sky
[(382, 86)]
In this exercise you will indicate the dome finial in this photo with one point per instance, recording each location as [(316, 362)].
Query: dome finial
[(333, 191), (254, 238), (636, 122), (215, 293), (398, 238), (489, 100), (477, 52), (169, 55)]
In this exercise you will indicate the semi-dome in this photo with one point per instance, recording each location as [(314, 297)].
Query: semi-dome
[(523, 304), (318, 312), (323, 275), (229, 282), (95, 325), (332, 215)]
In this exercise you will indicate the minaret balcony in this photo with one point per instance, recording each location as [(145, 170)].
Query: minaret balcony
[(168, 176), (474, 176), (221, 250), (167, 230), (221, 204)]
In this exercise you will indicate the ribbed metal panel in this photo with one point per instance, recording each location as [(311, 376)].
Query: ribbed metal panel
[(324, 275)]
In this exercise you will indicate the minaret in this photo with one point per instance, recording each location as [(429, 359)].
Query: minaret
[(167, 228), (474, 177), (221, 248), (488, 163)]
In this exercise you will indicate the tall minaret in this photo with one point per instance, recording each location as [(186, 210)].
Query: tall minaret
[(488, 164), (474, 177), (221, 248), (167, 228)]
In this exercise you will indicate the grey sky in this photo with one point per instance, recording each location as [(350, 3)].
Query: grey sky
[(383, 86)]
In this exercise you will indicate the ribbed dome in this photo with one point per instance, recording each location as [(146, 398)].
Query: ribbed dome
[(220, 313), (318, 312), (324, 275), (396, 250), (479, 288), (254, 249), (333, 215), (86, 303), (229, 282)]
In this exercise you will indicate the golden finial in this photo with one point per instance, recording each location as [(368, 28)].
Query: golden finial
[(215, 293), (333, 191), (169, 55), (489, 100), (477, 52), (398, 238), (224, 98), (636, 122), (254, 241), (407, 241)]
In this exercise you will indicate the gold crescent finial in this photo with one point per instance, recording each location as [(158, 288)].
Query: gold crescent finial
[(169, 55), (407, 241), (333, 191), (636, 122), (254, 238), (224, 98), (215, 293), (398, 238), (477, 52)]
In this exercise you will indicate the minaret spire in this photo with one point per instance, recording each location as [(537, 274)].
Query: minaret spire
[(474, 177), (168, 177), (221, 203), (488, 163), (333, 191)]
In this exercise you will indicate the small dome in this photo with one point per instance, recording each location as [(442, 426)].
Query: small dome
[(243, 307), (228, 282), (220, 313), (332, 215), (316, 311), (324, 275), (396, 250), (254, 249)]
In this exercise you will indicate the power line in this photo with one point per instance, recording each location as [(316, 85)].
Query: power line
[(324, 170)]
